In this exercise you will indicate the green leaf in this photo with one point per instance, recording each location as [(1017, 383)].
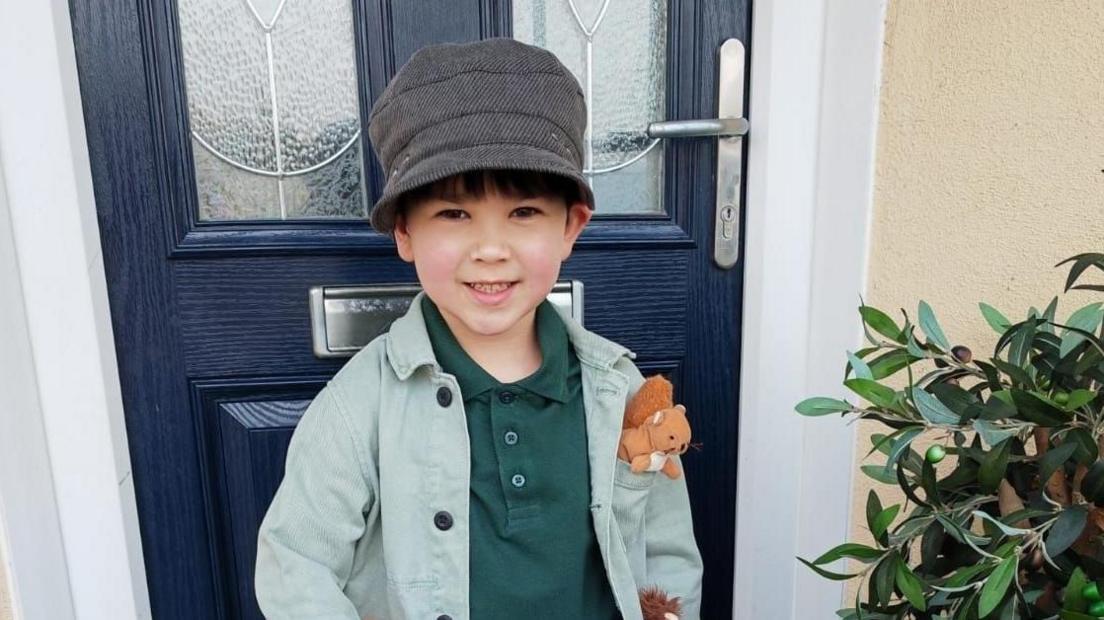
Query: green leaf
[(881, 582), (880, 322), (1078, 398), (882, 522), (1017, 374), (1086, 319), (955, 398), (820, 405), (1054, 458), (913, 347), (1048, 315), (993, 465), (931, 328), (1008, 530), (1087, 450), (1066, 529), (827, 574), (990, 433), (862, 371), (965, 575), (901, 444), (933, 410), (872, 391), (1092, 486), (1074, 600), (928, 483), (996, 584), (1081, 262), (910, 585), (1020, 350), (994, 318), (879, 473), (849, 550), (885, 365), (1076, 615), (1032, 408), (873, 508)]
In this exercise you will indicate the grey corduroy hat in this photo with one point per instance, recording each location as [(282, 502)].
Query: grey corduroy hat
[(492, 104)]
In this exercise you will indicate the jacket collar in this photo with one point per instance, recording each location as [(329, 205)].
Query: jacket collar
[(409, 347)]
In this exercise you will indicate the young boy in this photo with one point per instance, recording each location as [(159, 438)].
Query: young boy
[(463, 465)]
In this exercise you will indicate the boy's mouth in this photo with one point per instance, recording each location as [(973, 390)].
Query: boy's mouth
[(490, 287)]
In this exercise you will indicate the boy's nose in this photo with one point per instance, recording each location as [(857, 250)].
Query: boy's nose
[(490, 249)]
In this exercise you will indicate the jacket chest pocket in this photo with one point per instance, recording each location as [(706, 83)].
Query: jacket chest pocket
[(630, 503)]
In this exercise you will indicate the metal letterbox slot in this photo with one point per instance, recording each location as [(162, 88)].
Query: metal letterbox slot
[(345, 318)]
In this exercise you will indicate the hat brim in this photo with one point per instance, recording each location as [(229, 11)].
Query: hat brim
[(481, 157)]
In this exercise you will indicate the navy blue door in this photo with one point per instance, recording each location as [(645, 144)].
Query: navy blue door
[(231, 175)]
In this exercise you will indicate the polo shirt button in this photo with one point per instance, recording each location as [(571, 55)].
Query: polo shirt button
[(510, 438), (443, 520), (444, 397), (444, 617), (506, 397), (518, 480)]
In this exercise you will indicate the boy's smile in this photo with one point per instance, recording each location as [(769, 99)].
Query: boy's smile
[(488, 262)]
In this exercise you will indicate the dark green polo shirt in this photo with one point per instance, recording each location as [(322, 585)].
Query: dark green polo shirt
[(533, 550)]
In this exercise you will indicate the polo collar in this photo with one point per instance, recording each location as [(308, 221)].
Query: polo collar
[(548, 381), (409, 347)]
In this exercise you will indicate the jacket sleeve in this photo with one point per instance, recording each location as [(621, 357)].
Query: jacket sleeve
[(305, 544), (673, 561)]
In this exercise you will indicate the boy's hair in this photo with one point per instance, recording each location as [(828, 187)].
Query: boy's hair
[(512, 183)]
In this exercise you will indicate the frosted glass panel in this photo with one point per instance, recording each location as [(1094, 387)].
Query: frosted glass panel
[(618, 52), (272, 104)]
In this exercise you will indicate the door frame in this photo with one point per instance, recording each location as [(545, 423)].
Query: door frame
[(815, 76)]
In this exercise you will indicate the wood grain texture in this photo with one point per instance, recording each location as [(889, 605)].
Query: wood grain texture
[(247, 317)]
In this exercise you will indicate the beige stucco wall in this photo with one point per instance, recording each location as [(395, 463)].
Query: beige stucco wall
[(990, 164)]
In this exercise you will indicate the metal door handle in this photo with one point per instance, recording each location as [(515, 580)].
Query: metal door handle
[(705, 127), (729, 128)]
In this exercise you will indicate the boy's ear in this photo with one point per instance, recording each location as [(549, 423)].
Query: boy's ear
[(578, 215), (402, 238)]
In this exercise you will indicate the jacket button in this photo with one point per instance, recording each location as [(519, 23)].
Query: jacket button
[(444, 617), (444, 397), (443, 520), (510, 438), (506, 398)]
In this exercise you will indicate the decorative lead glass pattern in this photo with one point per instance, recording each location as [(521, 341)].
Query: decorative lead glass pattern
[(272, 104), (618, 52)]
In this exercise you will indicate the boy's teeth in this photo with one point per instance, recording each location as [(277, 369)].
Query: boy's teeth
[(489, 288)]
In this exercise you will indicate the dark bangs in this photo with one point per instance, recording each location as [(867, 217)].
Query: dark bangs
[(517, 184)]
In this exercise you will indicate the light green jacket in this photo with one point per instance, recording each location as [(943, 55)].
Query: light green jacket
[(351, 532)]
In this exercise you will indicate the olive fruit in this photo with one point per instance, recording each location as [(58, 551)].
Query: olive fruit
[(1061, 398), (962, 354), (935, 454), (1090, 591)]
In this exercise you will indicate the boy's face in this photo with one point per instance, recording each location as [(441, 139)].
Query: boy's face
[(488, 262)]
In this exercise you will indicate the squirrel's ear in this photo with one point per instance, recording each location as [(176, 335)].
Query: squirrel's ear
[(657, 419), (681, 408)]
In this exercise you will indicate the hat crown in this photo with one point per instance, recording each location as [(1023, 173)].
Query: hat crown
[(496, 103), (435, 63)]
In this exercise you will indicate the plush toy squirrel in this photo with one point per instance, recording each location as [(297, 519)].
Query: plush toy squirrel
[(655, 605), (654, 428)]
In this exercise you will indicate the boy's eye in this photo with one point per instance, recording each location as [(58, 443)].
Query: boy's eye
[(526, 211), (452, 214)]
